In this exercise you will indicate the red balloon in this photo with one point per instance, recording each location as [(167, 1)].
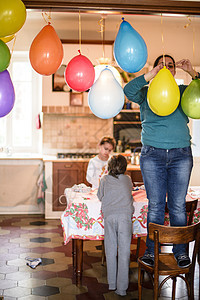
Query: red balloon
[(80, 73), (46, 51)]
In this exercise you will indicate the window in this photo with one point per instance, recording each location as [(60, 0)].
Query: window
[(18, 129)]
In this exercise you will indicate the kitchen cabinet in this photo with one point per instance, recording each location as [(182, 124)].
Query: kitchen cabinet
[(65, 175), (135, 173)]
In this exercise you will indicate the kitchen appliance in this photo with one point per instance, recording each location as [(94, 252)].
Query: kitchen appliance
[(127, 128), (135, 159), (75, 155)]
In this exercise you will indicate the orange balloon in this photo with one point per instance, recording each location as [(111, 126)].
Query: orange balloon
[(46, 51)]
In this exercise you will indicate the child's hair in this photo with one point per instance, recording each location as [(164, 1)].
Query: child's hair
[(107, 139), (117, 165)]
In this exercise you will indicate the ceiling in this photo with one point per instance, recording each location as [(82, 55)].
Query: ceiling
[(118, 6), (145, 16)]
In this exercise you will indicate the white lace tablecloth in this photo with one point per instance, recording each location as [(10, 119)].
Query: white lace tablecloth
[(83, 219)]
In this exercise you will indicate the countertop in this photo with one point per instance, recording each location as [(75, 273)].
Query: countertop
[(21, 156), (51, 158)]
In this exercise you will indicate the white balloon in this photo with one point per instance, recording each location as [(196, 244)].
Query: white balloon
[(106, 96), (99, 68)]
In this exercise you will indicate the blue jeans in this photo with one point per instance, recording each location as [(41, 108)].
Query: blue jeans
[(166, 172)]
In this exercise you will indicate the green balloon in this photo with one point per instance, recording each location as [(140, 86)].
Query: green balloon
[(4, 56), (190, 100)]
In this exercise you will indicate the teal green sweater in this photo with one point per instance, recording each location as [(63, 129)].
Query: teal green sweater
[(164, 132)]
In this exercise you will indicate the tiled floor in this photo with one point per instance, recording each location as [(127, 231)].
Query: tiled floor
[(33, 236)]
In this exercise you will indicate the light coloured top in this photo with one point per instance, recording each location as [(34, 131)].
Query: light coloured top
[(95, 170)]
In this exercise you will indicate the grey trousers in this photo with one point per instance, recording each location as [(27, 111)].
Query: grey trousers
[(117, 240)]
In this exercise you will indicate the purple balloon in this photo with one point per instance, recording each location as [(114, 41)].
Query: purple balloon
[(7, 93)]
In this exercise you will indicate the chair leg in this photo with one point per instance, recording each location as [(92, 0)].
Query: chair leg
[(155, 290), (103, 254), (191, 287), (74, 254), (138, 247), (173, 288), (140, 280)]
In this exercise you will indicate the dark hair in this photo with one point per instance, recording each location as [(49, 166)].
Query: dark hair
[(161, 56), (109, 140), (117, 165)]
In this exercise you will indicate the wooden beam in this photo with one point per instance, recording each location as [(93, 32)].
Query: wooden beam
[(87, 42), (120, 6)]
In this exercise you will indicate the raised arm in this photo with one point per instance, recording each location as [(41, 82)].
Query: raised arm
[(186, 66)]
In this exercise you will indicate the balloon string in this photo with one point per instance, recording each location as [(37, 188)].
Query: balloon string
[(193, 47), (102, 31), (162, 38), (79, 26), (13, 46), (193, 42), (47, 17), (188, 24)]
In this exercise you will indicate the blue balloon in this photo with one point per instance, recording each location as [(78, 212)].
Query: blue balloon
[(130, 50)]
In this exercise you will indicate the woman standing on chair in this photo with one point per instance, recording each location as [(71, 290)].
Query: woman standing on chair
[(166, 157)]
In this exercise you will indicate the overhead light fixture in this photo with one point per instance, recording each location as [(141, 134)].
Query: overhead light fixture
[(105, 62)]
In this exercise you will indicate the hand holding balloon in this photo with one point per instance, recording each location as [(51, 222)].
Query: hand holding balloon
[(186, 66), (151, 74)]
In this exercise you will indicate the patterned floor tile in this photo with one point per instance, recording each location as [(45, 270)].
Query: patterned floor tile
[(8, 269), (40, 240), (73, 290), (18, 276), (45, 290), (38, 223), (56, 267), (17, 292), (42, 274), (31, 282), (16, 262), (7, 284), (59, 282), (32, 297), (4, 232), (54, 279)]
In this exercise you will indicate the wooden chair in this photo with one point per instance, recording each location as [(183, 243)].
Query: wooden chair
[(164, 263), (191, 206)]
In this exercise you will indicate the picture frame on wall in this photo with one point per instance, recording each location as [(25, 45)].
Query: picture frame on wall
[(58, 80), (76, 99)]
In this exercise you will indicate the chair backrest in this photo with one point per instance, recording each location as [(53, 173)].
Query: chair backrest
[(191, 206), (174, 235)]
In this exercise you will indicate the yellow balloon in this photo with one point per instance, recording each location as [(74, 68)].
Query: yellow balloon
[(7, 39), (12, 16), (163, 95)]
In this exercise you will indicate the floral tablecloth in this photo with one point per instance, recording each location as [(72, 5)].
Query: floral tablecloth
[(83, 219)]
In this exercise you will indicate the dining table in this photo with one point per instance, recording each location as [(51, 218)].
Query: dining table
[(83, 219)]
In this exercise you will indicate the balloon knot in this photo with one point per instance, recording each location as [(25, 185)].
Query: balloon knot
[(123, 19), (49, 23), (79, 51)]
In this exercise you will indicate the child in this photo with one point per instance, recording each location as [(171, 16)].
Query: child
[(97, 166), (115, 192)]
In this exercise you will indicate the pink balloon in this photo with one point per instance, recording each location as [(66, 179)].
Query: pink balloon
[(80, 73), (7, 94)]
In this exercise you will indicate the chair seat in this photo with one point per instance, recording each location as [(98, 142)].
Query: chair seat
[(167, 264)]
